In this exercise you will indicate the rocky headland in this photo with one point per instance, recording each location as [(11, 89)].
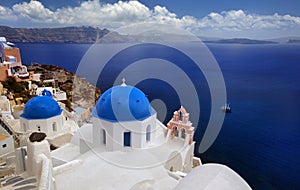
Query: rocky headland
[(79, 91)]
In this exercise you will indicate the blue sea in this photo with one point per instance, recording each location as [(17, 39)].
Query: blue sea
[(260, 139)]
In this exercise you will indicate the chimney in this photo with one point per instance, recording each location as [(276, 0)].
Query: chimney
[(36, 146)]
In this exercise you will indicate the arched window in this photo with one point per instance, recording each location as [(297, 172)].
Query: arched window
[(148, 133), (176, 132), (54, 127), (182, 133), (104, 136)]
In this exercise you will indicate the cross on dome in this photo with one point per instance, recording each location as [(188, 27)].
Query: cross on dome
[(123, 82)]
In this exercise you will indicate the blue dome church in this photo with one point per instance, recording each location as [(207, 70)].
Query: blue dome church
[(124, 120), (43, 114), (124, 117)]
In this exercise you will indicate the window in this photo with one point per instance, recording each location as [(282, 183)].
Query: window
[(182, 133), (4, 146), (104, 136), (54, 127), (148, 133), (171, 169), (127, 140), (175, 131)]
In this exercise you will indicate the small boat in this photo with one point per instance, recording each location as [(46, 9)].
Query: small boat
[(226, 108)]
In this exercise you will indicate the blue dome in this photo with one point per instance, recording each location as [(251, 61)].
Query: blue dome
[(123, 103), (46, 92), (41, 107)]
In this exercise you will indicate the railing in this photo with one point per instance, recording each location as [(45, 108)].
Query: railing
[(4, 125), (7, 127), (46, 176)]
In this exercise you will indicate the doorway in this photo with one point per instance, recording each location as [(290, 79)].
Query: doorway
[(127, 138)]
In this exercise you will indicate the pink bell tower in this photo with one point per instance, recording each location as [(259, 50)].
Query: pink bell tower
[(181, 126)]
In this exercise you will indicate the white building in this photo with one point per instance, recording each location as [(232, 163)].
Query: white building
[(43, 114), (6, 142), (125, 122), (37, 77), (10, 62), (5, 109), (126, 147), (54, 92), (82, 115)]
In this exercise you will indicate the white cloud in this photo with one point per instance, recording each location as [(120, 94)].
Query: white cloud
[(6, 14), (33, 11), (239, 20), (94, 13)]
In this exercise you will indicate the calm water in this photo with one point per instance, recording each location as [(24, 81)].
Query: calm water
[(260, 138)]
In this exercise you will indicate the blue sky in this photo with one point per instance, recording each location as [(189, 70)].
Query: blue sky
[(197, 8), (200, 8), (220, 18)]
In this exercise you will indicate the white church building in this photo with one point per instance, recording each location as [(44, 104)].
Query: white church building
[(124, 118), (125, 147), (42, 114)]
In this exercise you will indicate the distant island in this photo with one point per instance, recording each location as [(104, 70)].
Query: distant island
[(240, 41), (87, 34), (294, 41), (60, 35)]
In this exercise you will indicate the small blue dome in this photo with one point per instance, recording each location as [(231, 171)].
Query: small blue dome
[(123, 103), (46, 92), (41, 107)]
